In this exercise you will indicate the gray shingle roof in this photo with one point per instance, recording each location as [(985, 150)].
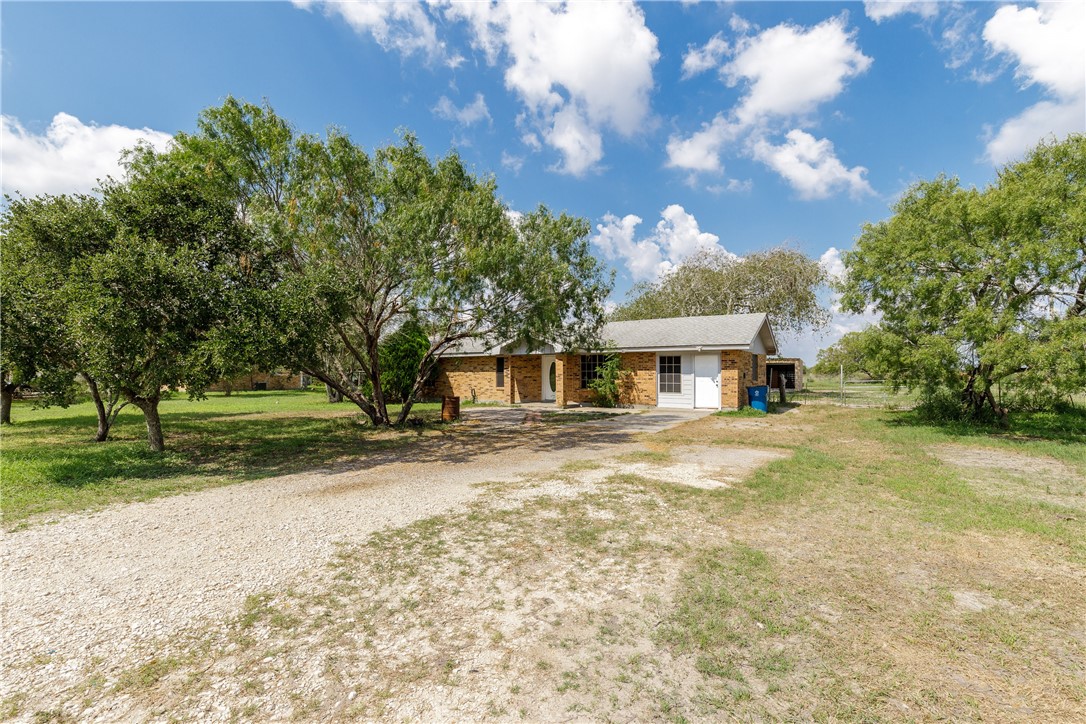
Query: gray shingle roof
[(722, 330)]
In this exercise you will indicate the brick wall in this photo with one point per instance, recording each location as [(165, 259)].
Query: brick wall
[(638, 387), (527, 374), (571, 381), (735, 377), (457, 376)]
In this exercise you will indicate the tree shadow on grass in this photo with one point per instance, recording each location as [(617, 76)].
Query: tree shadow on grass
[(205, 447), (1065, 426)]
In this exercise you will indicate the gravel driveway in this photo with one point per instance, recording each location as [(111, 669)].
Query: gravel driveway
[(95, 585)]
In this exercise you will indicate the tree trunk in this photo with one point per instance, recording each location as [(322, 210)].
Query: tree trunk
[(100, 408), (334, 395), (149, 406), (107, 413), (7, 393)]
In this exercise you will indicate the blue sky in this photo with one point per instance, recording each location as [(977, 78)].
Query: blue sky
[(670, 126)]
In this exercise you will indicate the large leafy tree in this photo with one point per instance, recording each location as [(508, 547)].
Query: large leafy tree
[(367, 242), (42, 240), (984, 286), (784, 283), (164, 303)]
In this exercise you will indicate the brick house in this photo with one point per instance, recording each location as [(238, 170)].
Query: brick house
[(681, 362)]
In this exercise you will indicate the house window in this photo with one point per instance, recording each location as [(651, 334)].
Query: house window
[(671, 375), (499, 374), (590, 368), (754, 367)]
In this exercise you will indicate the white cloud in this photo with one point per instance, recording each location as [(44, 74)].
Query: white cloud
[(788, 71), (470, 114), (675, 237), (580, 144), (811, 166), (1024, 131), (615, 238), (701, 151), (832, 262), (579, 68), (879, 10), (1046, 43), (740, 25), (69, 157), (532, 141), (397, 25), (678, 235), (791, 70), (700, 59), (511, 162)]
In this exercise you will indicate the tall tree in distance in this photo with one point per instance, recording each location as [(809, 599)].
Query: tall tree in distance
[(984, 286), (784, 283)]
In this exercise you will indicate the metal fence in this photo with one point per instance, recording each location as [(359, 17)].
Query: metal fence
[(851, 393)]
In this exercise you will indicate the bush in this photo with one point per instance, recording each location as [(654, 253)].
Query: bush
[(608, 385)]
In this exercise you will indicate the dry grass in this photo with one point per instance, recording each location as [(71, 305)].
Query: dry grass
[(857, 577)]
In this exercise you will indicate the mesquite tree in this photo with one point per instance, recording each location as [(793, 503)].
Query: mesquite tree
[(782, 282), (367, 242), (43, 238), (983, 286), (157, 307)]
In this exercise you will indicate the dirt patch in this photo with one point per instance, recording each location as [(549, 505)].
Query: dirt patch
[(698, 467), (1015, 475)]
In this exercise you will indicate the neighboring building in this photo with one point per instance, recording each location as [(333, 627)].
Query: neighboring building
[(257, 380), (790, 368), (681, 362)]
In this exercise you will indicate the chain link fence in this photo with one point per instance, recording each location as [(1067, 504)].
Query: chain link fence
[(849, 392)]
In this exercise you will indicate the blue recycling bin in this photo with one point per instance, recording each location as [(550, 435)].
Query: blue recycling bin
[(759, 397)]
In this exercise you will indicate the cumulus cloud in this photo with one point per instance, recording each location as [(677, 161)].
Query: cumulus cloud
[(615, 239), (702, 150), (69, 157), (787, 72), (811, 166), (879, 10), (1021, 133), (579, 68), (470, 114), (402, 26), (698, 59), (791, 70), (674, 238), (832, 262), (1045, 43)]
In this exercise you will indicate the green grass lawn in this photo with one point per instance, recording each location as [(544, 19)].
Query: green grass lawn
[(49, 461)]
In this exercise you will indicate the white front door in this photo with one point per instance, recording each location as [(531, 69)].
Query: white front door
[(707, 380), (549, 378)]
